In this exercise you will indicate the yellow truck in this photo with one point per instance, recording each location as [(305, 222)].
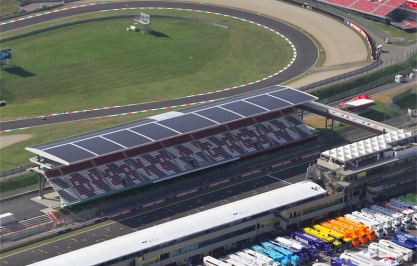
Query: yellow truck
[(347, 232), (337, 245), (347, 242)]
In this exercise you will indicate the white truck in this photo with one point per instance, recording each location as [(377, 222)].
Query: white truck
[(386, 228), (407, 253), (268, 260), (404, 203), (404, 210), (256, 261), (379, 232), (372, 255), (7, 218), (404, 220), (234, 262), (210, 261), (395, 224), (385, 252), (360, 260)]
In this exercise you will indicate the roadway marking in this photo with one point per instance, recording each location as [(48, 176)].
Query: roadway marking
[(280, 179)]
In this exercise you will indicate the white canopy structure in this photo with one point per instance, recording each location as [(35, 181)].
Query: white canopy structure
[(367, 147), (185, 226)]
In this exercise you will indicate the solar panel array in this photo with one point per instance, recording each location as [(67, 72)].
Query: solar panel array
[(184, 154), (155, 129)]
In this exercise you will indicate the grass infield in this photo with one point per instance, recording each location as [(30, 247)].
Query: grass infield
[(101, 64)]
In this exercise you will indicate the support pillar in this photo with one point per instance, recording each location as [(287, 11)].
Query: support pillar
[(41, 184)]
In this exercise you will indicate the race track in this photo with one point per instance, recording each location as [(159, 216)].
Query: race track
[(307, 54)]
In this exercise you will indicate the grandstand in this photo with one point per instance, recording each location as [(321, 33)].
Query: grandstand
[(165, 146), (377, 8)]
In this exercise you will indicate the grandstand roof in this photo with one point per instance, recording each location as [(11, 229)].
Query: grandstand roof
[(185, 226), (367, 147), (171, 124)]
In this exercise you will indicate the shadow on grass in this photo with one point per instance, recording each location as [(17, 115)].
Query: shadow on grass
[(159, 34), (18, 71)]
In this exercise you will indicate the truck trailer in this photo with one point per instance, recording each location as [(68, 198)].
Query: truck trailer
[(337, 245), (395, 224), (347, 242), (384, 252), (312, 252), (360, 260), (407, 253), (374, 225), (386, 227), (404, 220), (293, 258), (369, 233), (296, 248), (319, 244)]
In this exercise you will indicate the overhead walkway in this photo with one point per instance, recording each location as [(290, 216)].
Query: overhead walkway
[(348, 118)]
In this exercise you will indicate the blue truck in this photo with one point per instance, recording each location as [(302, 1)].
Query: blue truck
[(306, 248), (340, 262), (294, 259), (295, 247), (316, 242), (272, 254), (407, 241)]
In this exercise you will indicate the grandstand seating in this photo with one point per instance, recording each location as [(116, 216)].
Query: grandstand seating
[(64, 190), (146, 164), (344, 3), (219, 147), (88, 183), (186, 152), (383, 10), (395, 3), (365, 6)]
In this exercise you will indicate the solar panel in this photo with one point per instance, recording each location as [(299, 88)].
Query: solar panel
[(269, 102), (293, 96), (172, 124), (154, 131), (244, 108), (219, 115), (99, 145), (187, 123), (127, 138), (70, 153)]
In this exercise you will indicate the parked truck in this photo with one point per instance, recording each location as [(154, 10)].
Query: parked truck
[(395, 224), (277, 257), (360, 260), (312, 252), (386, 227), (259, 256), (404, 203), (340, 262), (253, 260), (407, 199), (407, 253), (294, 259), (404, 210), (384, 252), (372, 255), (404, 220), (369, 233), (319, 244), (360, 230), (296, 248), (406, 240), (374, 225), (210, 261), (337, 245), (347, 242), (342, 229)]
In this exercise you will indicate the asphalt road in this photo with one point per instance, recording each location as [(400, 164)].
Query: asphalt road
[(307, 54), (232, 193)]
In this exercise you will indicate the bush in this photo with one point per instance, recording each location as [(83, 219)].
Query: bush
[(18, 182)]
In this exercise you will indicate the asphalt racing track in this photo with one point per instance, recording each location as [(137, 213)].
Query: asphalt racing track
[(164, 214), (307, 54)]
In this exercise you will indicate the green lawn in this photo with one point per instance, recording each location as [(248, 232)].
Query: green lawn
[(395, 32), (410, 101), (101, 64), (7, 7)]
